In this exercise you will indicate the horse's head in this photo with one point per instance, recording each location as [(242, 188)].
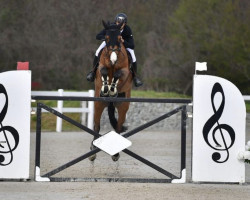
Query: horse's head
[(113, 40)]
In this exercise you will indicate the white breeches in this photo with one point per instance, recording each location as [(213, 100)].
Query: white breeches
[(103, 44), (132, 53)]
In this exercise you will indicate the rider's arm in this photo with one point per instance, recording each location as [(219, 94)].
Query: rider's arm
[(129, 42), (101, 35), (128, 38)]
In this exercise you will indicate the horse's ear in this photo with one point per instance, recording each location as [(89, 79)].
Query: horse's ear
[(105, 24)]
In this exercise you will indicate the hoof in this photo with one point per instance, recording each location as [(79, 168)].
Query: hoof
[(113, 90), (104, 91), (113, 94), (104, 94), (116, 157), (93, 157)]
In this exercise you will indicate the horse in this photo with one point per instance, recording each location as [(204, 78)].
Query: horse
[(113, 79)]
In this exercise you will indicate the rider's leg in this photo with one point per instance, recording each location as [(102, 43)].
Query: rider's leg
[(137, 81), (91, 75)]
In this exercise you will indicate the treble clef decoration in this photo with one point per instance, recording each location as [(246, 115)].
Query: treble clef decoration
[(6, 146), (222, 128)]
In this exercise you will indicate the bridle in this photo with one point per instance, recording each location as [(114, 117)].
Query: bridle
[(114, 42), (115, 49)]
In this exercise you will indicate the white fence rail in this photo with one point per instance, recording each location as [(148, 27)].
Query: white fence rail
[(246, 97), (87, 108)]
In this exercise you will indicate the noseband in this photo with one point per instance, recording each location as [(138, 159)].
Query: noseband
[(118, 49), (115, 49)]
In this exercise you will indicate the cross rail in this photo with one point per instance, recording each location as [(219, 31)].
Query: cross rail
[(173, 178), (110, 99)]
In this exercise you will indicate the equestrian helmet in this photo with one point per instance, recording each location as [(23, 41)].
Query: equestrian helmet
[(121, 18)]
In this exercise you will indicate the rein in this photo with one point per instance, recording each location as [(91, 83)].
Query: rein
[(119, 49), (114, 49)]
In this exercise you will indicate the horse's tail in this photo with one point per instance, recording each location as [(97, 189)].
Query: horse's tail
[(112, 119)]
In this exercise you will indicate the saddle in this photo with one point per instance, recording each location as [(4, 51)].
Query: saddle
[(130, 61)]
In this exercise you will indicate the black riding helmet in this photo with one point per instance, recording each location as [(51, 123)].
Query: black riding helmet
[(121, 18)]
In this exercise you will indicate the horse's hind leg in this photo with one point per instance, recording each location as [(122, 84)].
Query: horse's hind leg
[(122, 111), (99, 107)]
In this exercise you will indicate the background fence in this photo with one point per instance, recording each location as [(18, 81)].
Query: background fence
[(137, 113), (86, 109)]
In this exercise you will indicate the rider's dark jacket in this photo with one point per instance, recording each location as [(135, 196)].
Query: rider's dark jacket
[(126, 35)]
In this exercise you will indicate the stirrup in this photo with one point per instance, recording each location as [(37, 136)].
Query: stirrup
[(137, 82)]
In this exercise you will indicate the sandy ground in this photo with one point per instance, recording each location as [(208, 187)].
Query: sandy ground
[(161, 148)]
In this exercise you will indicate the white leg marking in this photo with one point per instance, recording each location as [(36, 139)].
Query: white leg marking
[(113, 87), (105, 84)]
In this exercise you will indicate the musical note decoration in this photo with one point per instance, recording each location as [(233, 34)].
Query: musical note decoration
[(6, 147), (212, 126)]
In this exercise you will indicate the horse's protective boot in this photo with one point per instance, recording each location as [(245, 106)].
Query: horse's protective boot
[(91, 75)]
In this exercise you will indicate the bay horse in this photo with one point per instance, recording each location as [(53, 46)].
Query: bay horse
[(113, 79)]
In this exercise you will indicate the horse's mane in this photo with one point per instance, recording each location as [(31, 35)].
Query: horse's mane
[(111, 26)]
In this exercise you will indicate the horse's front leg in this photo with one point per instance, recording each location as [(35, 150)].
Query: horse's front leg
[(105, 84), (113, 87)]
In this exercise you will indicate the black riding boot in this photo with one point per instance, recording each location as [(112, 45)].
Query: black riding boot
[(91, 75), (137, 81)]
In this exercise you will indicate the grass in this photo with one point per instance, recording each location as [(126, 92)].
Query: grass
[(49, 120), (248, 107), (153, 94)]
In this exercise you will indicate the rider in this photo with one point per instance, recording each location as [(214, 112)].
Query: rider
[(128, 41)]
